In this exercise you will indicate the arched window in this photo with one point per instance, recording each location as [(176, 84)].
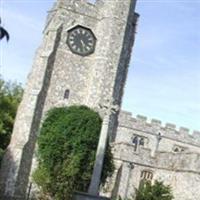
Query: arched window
[(135, 140), (138, 140), (176, 150), (66, 94)]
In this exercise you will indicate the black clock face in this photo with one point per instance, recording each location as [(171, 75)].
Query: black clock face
[(81, 41)]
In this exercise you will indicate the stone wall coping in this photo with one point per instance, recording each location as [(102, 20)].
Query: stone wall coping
[(184, 161)]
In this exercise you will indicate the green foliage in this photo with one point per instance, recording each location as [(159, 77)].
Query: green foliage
[(1, 154), (158, 191), (10, 96), (120, 198), (66, 151)]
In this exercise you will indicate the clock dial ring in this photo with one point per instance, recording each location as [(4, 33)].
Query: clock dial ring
[(81, 40)]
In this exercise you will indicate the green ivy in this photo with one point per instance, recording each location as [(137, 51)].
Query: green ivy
[(66, 151)]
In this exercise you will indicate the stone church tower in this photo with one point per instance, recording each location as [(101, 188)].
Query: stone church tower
[(83, 59)]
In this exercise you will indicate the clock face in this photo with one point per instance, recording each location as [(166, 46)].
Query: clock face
[(81, 41)]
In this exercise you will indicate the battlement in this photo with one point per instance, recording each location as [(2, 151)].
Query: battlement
[(155, 126)]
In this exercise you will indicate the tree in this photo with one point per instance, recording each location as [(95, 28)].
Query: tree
[(66, 151), (3, 32), (10, 97), (157, 191)]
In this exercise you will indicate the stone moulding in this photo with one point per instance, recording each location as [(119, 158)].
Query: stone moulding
[(182, 162), (155, 126)]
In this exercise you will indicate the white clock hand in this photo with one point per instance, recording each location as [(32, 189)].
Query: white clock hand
[(83, 44)]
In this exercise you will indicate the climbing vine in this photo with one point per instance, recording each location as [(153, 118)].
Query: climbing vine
[(66, 151)]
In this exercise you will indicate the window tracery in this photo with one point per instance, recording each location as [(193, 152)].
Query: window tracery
[(179, 149)]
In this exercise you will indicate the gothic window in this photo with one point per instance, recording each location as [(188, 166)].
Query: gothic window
[(138, 140), (66, 94), (176, 150), (135, 140), (146, 175)]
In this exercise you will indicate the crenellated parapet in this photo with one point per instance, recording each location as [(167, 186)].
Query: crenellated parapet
[(155, 126)]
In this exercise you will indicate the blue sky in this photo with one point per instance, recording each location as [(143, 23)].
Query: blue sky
[(164, 75)]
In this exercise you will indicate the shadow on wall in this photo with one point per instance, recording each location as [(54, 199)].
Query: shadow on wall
[(117, 183), (14, 177), (4, 174), (1, 155)]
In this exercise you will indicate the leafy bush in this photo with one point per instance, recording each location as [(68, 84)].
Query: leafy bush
[(10, 97), (66, 151), (157, 191), (1, 154)]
